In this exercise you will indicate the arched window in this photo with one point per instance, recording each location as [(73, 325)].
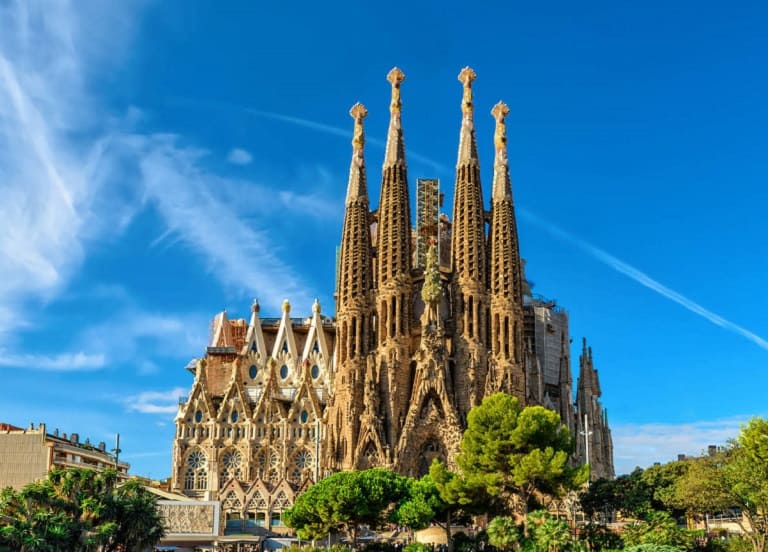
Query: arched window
[(196, 476)]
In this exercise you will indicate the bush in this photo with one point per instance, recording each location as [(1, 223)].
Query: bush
[(652, 548), (417, 547), (600, 538), (738, 544)]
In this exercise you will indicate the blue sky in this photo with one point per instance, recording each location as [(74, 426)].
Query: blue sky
[(161, 161)]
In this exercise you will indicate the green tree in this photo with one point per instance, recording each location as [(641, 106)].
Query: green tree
[(79, 510), (546, 533), (658, 528), (441, 497), (503, 533), (517, 455), (737, 477), (345, 500)]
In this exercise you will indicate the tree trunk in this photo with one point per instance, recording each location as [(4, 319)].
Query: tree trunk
[(448, 539)]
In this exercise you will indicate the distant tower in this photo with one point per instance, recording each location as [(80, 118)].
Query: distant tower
[(592, 420), (354, 308), (469, 263), (393, 293), (507, 373)]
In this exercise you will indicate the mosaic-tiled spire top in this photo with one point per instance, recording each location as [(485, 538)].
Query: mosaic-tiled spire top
[(394, 227), (395, 152), (467, 143), (355, 269), (501, 183), (468, 239), (356, 188), (506, 275)]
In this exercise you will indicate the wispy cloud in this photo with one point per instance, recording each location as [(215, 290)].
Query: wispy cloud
[(131, 333), (53, 148), (61, 362), (237, 252), (643, 444), (239, 156), (155, 402), (642, 278), (74, 174)]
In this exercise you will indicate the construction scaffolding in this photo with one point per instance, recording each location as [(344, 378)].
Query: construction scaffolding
[(428, 202)]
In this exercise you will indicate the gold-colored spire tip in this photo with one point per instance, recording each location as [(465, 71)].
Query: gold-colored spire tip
[(358, 111), (466, 76), (395, 76), (286, 306), (500, 111)]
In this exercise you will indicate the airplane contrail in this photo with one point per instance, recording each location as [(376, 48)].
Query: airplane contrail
[(336, 131), (641, 277)]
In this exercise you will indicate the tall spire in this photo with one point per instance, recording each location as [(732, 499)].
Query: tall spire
[(354, 304), (393, 269), (468, 257), (394, 244), (506, 273), (355, 264)]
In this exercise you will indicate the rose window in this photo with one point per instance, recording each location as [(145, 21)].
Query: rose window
[(232, 459), (196, 459), (303, 459)]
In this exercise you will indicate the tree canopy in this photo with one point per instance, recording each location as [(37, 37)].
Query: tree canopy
[(517, 455), (345, 500), (79, 510)]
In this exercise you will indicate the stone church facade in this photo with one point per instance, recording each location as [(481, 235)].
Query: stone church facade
[(429, 320)]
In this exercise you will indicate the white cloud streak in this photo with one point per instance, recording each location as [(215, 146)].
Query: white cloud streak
[(239, 156), (642, 278), (61, 362), (73, 174), (640, 445), (155, 402)]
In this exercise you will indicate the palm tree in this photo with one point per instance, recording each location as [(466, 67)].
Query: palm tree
[(503, 533)]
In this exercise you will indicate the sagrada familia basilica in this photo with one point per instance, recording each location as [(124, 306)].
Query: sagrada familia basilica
[(430, 319)]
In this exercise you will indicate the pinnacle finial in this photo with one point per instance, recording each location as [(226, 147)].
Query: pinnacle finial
[(255, 307), (395, 77), (499, 112), (286, 306), (316, 306), (466, 76), (358, 113)]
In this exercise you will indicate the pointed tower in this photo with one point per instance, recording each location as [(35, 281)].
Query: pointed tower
[(393, 250), (469, 262), (354, 307), (595, 444), (505, 275)]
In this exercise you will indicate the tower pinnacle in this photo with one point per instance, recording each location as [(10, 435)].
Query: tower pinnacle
[(467, 144), (395, 151), (501, 185), (466, 76), (356, 186)]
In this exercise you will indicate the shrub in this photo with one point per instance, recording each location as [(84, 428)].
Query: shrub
[(417, 547)]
